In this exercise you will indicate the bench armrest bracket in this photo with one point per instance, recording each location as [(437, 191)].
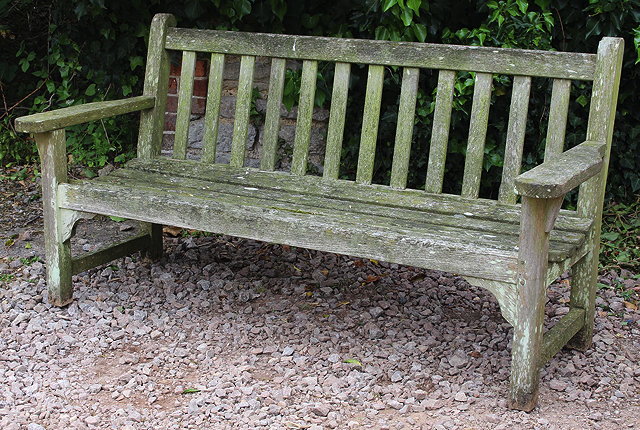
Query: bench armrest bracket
[(65, 117), (554, 178)]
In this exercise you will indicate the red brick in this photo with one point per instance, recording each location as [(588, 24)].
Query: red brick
[(170, 121), (173, 85), (200, 87), (198, 105), (172, 104), (201, 68), (175, 70)]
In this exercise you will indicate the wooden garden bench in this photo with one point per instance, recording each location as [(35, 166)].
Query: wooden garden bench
[(512, 249)]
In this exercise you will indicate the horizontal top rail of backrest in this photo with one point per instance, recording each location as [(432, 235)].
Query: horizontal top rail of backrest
[(551, 64)]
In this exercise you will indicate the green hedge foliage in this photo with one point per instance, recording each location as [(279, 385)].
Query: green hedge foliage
[(59, 53)]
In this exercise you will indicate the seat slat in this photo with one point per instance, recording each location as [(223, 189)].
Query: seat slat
[(293, 225), (184, 104), (212, 113), (305, 115), (349, 191), (440, 131), (243, 109), (477, 135), (563, 242), (515, 138), (551, 64), (370, 119), (404, 127), (558, 110), (272, 116), (337, 114)]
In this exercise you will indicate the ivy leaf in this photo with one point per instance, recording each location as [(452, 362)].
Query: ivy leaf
[(382, 33), (135, 62), (279, 8), (319, 98), (91, 90), (407, 17), (388, 4), (414, 5), (582, 100), (420, 30), (611, 235)]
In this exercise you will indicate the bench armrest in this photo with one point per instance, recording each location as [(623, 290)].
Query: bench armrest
[(65, 117), (554, 178)]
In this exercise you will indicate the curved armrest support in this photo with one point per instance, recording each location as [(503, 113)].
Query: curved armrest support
[(65, 117), (554, 178)]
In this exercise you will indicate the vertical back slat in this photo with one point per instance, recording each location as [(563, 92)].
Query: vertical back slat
[(477, 135), (212, 114), (305, 114), (602, 114), (370, 117), (515, 138), (404, 127), (243, 109), (184, 104), (272, 117), (440, 131), (558, 111), (335, 132), (156, 84)]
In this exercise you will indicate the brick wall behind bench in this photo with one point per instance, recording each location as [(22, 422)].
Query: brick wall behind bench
[(227, 108)]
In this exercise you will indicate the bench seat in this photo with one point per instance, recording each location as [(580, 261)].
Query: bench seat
[(402, 226)]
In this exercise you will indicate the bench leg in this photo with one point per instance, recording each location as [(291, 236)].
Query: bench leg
[(583, 295), (532, 289), (52, 149), (154, 249)]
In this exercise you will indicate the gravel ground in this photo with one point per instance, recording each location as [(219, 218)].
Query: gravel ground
[(230, 333)]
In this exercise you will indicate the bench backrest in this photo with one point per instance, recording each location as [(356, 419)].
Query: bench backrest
[(562, 67)]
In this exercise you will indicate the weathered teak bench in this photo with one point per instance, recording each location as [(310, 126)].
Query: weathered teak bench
[(513, 250)]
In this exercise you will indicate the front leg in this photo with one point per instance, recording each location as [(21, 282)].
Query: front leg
[(53, 157), (538, 216)]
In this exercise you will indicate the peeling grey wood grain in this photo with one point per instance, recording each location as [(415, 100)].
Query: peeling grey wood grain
[(407, 54), (558, 336), (110, 253), (305, 115), (404, 127), (212, 113), (66, 117), (477, 135), (156, 85), (602, 114), (350, 191), (440, 131), (337, 115), (290, 225), (563, 173), (272, 116), (526, 347), (53, 160), (184, 104), (514, 146), (370, 119), (564, 242), (243, 110), (558, 112)]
